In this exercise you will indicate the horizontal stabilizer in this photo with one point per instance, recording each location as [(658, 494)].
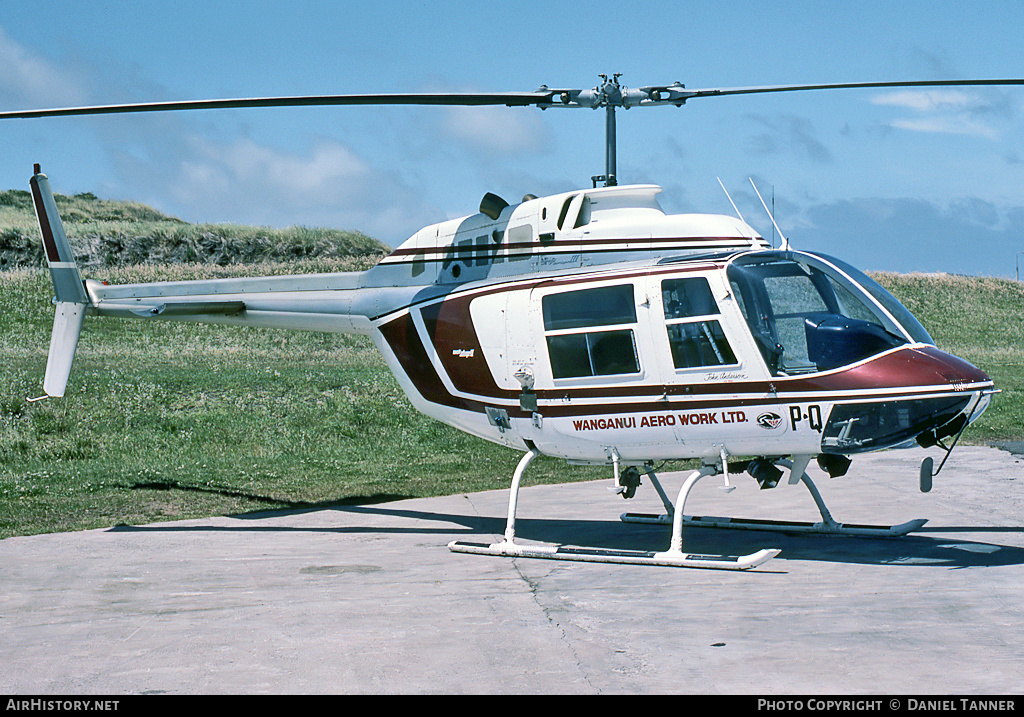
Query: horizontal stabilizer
[(176, 308)]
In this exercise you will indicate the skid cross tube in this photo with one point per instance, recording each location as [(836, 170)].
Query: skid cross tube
[(827, 526), (673, 557)]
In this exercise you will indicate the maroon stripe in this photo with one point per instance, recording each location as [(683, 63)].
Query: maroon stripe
[(556, 410), (450, 328), (404, 341), (455, 253), (49, 244), (904, 369), (907, 368)]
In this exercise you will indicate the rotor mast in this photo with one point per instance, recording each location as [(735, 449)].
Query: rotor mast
[(612, 92), (609, 146), (609, 94)]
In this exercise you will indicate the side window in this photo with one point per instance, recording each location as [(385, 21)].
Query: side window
[(589, 332), (520, 242), (695, 333)]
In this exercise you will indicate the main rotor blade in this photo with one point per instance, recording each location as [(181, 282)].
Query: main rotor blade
[(511, 99), (717, 92), (611, 95)]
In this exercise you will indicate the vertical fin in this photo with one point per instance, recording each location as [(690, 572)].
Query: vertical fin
[(71, 297), (67, 281)]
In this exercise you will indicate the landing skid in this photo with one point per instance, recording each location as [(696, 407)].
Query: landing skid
[(827, 526), (673, 557), (630, 557)]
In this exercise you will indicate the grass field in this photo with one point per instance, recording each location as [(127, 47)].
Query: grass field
[(980, 320), (169, 421)]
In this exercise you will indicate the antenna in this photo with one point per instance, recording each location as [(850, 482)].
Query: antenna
[(730, 199), (785, 241)]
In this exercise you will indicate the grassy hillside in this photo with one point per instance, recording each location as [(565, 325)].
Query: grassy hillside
[(980, 320), (109, 233)]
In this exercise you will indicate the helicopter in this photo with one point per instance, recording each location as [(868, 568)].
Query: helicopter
[(593, 327)]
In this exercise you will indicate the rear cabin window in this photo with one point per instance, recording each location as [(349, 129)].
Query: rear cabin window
[(695, 334), (591, 332)]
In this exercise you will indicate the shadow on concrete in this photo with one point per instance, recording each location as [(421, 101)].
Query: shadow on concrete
[(917, 549), (276, 503)]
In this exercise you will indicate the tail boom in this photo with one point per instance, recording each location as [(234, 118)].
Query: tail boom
[(335, 303)]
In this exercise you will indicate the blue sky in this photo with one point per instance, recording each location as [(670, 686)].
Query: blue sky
[(900, 180)]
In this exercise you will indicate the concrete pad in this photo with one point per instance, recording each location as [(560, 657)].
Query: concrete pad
[(370, 600)]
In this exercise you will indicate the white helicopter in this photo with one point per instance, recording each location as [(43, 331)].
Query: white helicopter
[(592, 326)]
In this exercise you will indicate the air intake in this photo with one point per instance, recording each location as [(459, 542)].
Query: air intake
[(491, 205)]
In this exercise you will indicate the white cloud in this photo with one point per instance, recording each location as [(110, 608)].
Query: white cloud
[(328, 185), (329, 168), (498, 130), (951, 111), (26, 78), (932, 100), (953, 124)]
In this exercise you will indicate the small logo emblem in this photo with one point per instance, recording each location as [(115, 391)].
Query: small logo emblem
[(769, 420)]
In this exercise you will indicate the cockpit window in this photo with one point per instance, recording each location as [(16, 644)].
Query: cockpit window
[(899, 312), (806, 316)]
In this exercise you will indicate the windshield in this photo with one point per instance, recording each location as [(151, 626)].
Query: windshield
[(898, 311), (809, 313)]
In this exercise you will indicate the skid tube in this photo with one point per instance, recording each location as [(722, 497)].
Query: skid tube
[(673, 557), (827, 526)]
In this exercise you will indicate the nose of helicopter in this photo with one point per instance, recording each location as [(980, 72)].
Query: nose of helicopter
[(922, 396)]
